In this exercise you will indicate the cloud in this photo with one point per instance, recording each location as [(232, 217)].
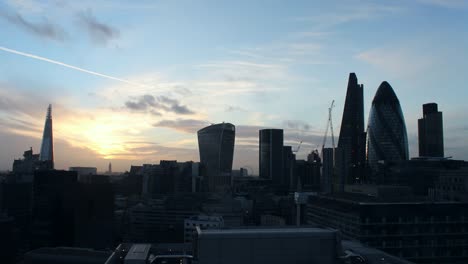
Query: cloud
[(43, 29), (446, 3), (248, 131), (349, 13), (296, 124), (190, 126), (233, 108), (400, 61), (149, 103), (99, 32)]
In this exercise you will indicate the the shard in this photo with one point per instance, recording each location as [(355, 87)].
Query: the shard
[(387, 141), (47, 146), (352, 140)]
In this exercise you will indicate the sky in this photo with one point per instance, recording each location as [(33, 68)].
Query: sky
[(130, 82)]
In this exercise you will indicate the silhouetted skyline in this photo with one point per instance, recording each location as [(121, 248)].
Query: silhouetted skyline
[(134, 87)]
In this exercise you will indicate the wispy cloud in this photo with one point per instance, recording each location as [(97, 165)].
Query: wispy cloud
[(149, 103), (398, 61), (43, 29), (296, 124), (183, 125), (446, 3), (349, 13), (99, 32)]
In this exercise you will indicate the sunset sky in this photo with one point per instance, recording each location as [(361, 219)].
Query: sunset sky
[(132, 81)]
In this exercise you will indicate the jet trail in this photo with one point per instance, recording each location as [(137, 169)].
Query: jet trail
[(71, 67)]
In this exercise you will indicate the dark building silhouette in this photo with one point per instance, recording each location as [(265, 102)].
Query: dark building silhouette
[(271, 155), (68, 212), (53, 208), (23, 169), (93, 212), (47, 146), (431, 132), (326, 179), (289, 160), (9, 242), (387, 142), (414, 229), (15, 202), (216, 147), (308, 175), (170, 177), (352, 139), (131, 184)]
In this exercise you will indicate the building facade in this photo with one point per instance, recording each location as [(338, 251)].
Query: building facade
[(352, 139), (201, 221), (387, 141), (271, 155), (216, 147), (327, 170), (431, 132), (419, 231)]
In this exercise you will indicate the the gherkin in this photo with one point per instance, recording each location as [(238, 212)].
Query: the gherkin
[(387, 141)]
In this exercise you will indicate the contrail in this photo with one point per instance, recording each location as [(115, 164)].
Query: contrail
[(71, 67)]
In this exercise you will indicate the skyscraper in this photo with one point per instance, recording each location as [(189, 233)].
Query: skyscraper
[(47, 147), (216, 147), (352, 138), (387, 141), (431, 132), (271, 155)]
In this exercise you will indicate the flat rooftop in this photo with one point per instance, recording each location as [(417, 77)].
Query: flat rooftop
[(266, 232)]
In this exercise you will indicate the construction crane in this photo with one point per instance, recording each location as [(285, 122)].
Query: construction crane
[(329, 126), (298, 147)]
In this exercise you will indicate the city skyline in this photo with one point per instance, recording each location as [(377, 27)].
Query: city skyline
[(134, 87)]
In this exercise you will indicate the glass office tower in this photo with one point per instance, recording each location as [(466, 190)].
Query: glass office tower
[(216, 147), (387, 141)]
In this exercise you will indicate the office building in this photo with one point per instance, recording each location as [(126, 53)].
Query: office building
[(308, 175), (154, 223), (170, 177), (47, 146), (437, 178), (83, 171), (352, 139), (201, 221), (16, 202), (387, 142), (289, 161), (68, 255), (418, 230), (216, 147), (93, 212), (53, 208), (23, 169), (271, 155), (9, 239), (327, 170), (431, 132)]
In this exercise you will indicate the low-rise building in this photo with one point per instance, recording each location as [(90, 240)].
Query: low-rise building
[(201, 221)]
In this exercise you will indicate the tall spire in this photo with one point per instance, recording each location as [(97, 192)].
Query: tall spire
[(47, 147)]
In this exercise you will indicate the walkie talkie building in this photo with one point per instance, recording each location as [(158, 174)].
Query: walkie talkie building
[(216, 146)]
